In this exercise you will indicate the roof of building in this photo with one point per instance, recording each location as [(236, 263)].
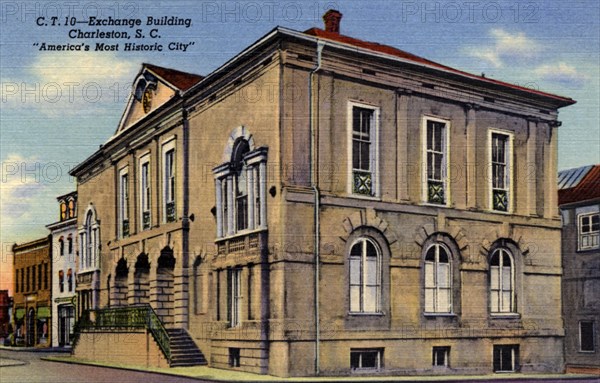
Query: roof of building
[(179, 79), (386, 49), (579, 184)]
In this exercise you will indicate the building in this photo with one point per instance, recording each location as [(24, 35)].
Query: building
[(5, 307), (325, 205), (579, 199), (32, 304), (64, 237)]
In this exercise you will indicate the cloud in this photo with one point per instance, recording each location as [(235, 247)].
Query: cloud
[(562, 73), (506, 47), (69, 83)]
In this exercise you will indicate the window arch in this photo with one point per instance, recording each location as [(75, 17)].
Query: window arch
[(502, 281), (61, 245), (70, 244), (438, 279), (240, 186), (89, 241), (365, 276)]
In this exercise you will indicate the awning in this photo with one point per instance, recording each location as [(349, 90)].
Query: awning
[(19, 314), (43, 312)]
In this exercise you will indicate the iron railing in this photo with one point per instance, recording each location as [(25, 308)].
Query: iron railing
[(139, 316)]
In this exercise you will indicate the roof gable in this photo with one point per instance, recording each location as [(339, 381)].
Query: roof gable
[(153, 87)]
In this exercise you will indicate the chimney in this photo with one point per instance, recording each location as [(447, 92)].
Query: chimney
[(332, 20)]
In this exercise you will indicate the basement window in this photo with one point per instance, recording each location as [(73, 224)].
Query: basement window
[(506, 358), (234, 357), (441, 356), (366, 359)]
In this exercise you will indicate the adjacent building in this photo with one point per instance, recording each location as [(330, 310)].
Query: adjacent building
[(324, 205), (64, 251), (32, 305), (5, 309), (579, 199)]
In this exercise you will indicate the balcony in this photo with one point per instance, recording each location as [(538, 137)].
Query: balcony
[(242, 244)]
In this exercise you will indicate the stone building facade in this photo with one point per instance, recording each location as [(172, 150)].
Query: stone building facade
[(32, 265), (579, 199), (326, 205), (64, 251)]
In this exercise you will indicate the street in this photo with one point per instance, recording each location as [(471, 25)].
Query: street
[(26, 367)]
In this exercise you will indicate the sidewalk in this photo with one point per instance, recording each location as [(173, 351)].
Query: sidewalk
[(218, 375), (37, 349)]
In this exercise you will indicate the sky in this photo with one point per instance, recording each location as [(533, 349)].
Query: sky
[(57, 107)]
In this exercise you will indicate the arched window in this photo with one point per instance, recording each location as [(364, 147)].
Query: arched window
[(61, 281), (502, 291), (61, 246), (365, 277), (70, 244), (89, 240), (63, 211), (241, 186), (438, 279), (70, 280)]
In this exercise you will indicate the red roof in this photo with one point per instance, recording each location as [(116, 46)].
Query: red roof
[(587, 189), (417, 59), (179, 79)]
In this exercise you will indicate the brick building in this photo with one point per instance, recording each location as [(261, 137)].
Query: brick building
[(32, 305)]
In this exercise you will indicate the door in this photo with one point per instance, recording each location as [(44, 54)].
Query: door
[(30, 328)]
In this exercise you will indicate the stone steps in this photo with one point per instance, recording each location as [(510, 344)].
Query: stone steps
[(184, 351)]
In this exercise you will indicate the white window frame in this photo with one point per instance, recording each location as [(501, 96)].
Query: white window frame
[(593, 350), (436, 284), (373, 153), (362, 271), (434, 356), (145, 194), (592, 235), (445, 163), (513, 355), (225, 190), (169, 195), (360, 352), (509, 181), (89, 240), (500, 287), (124, 201)]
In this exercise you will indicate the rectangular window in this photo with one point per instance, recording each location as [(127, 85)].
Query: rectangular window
[(17, 280), (241, 199), (500, 155), (234, 357), (370, 358), (145, 192), (441, 356), (40, 276), (363, 149), (46, 276), (169, 182), (250, 281), (589, 231), (22, 280), (506, 358), (586, 336), (33, 278), (124, 203), (436, 161), (28, 285), (218, 293), (234, 294)]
